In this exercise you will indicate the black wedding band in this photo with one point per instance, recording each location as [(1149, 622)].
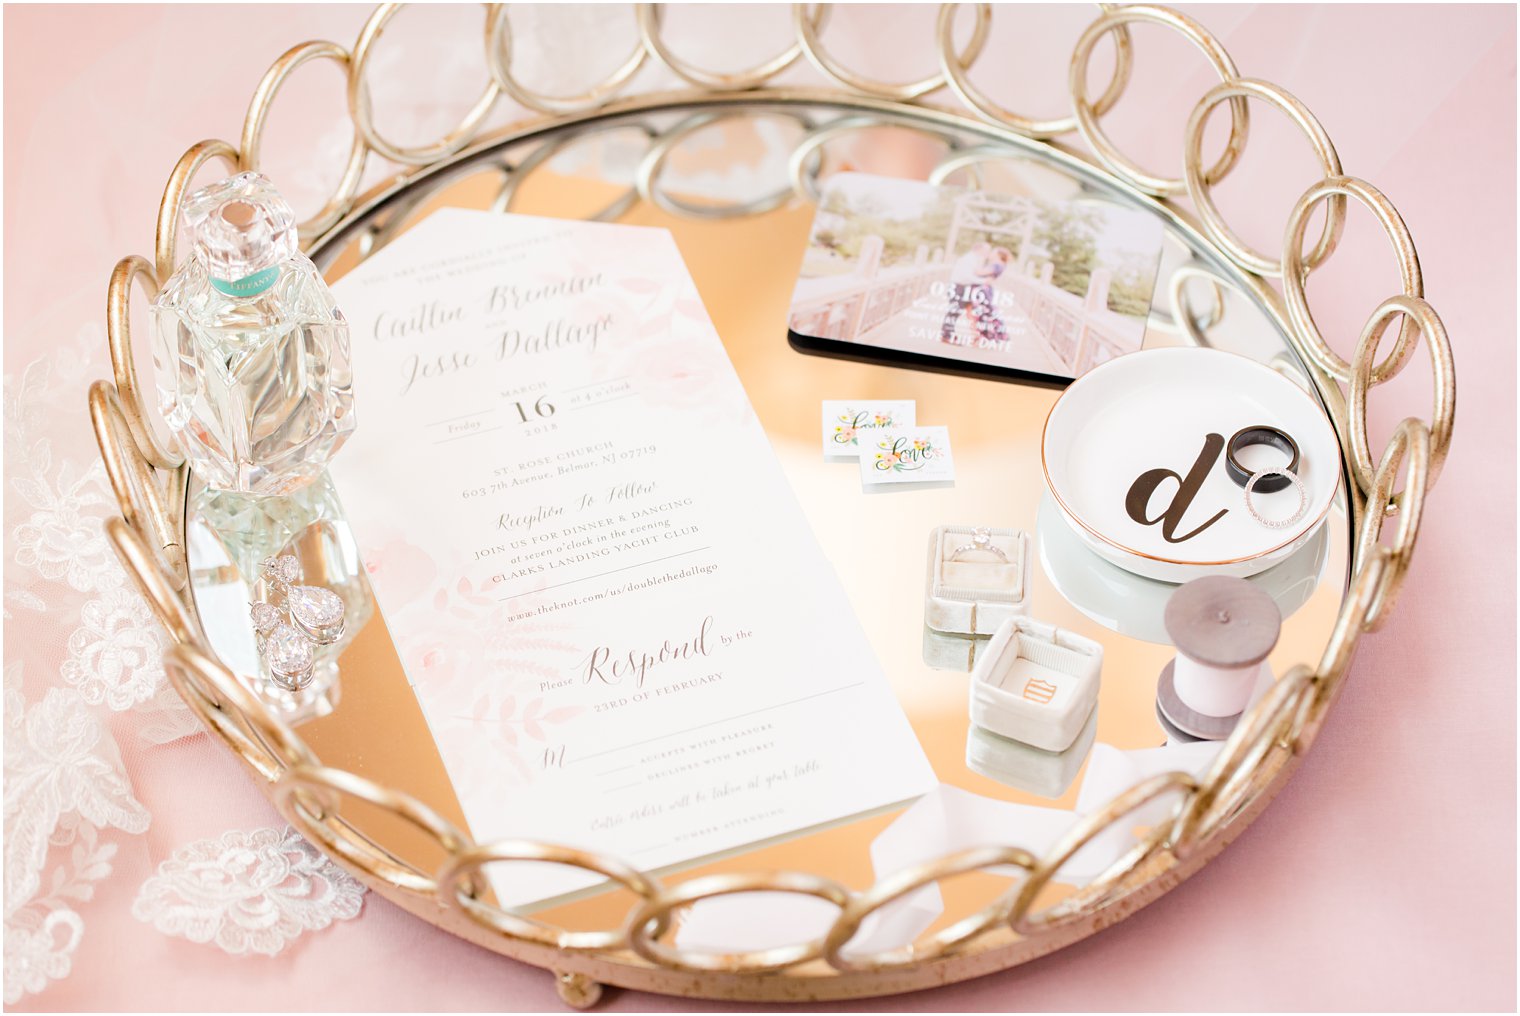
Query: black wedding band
[(1261, 434)]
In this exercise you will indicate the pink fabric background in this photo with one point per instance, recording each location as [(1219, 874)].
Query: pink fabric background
[(1384, 875)]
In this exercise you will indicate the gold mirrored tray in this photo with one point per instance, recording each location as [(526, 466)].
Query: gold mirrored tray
[(733, 172)]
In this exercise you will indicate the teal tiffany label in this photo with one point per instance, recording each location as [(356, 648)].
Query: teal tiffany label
[(248, 285)]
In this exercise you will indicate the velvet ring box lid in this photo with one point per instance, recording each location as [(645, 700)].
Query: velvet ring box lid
[(976, 591), (1036, 683), (1032, 770)]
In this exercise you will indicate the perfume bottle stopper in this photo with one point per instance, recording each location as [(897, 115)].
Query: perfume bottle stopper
[(250, 349)]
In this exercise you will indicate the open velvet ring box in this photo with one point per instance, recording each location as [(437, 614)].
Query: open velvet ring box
[(1036, 684), (975, 591), (1032, 770)]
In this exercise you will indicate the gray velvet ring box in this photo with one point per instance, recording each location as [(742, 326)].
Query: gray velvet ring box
[(978, 592), (1036, 684), (1033, 770), (945, 651)]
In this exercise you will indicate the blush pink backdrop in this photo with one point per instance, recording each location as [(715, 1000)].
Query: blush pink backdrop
[(1383, 877)]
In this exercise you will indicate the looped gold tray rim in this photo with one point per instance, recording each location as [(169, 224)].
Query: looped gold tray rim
[(1211, 812)]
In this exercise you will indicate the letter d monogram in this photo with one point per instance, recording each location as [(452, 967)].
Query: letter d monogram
[(1138, 500)]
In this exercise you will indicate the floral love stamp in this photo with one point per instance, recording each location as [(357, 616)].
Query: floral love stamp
[(920, 456), (849, 425)]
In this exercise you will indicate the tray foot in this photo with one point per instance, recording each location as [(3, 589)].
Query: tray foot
[(577, 990)]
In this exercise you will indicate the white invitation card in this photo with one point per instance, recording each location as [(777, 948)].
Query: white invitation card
[(616, 619)]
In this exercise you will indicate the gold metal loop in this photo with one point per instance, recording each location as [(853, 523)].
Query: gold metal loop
[(184, 172), (807, 24), (123, 366), (225, 705), (1190, 326), (337, 836), (1413, 440), (1296, 268), (653, 166), (1366, 585), (361, 113), (972, 160), (901, 883), (1087, 111), (469, 864), (958, 78), (219, 721), (398, 216), (718, 81), (258, 112), (176, 615), (644, 923), (516, 175), (1259, 732), (499, 59), (1290, 367), (806, 161), (144, 505), (1427, 323), (1198, 188), (1104, 890)]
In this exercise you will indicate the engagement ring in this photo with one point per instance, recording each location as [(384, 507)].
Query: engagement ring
[(981, 540)]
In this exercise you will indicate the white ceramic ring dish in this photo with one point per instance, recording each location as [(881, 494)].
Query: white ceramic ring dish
[(1144, 434)]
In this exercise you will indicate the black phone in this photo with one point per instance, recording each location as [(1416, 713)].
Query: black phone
[(957, 281), (815, 345)]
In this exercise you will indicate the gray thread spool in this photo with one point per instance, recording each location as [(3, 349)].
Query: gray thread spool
[(1223, 629)]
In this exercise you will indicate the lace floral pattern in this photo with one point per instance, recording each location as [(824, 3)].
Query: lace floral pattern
[(39, 947), (61, 543), (116, 655), (248, 892), (41, 936), (165, 717), (63, 782), (63, 538), (61, 766)]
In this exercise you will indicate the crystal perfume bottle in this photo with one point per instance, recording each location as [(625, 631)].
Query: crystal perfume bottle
[(251, 351)]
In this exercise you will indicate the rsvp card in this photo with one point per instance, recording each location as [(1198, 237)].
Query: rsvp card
[(615, 617)]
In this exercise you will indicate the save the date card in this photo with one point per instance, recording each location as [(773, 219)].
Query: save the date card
[(1010, 284)]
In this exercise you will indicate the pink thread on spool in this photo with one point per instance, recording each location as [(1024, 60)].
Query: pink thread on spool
[(1223, 629)]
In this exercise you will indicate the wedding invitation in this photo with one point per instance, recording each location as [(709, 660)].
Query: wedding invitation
[(614, 615)]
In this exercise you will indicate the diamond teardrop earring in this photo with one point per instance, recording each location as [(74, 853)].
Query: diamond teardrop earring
[(315, 610), (313, 616), (286, 651)]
